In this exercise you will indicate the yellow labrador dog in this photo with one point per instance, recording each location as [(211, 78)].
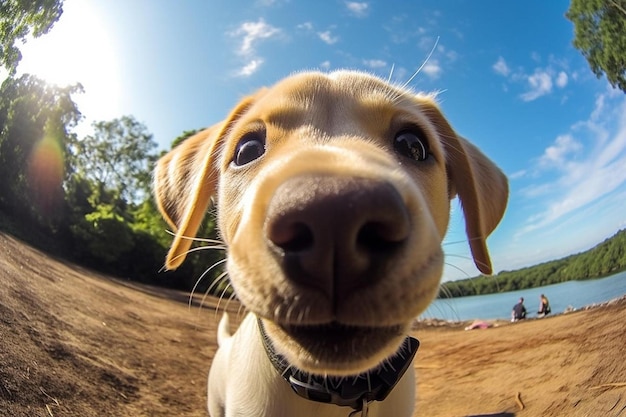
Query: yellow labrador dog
[(333, 197)]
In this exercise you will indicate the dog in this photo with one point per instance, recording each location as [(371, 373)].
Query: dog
[(333, 194)]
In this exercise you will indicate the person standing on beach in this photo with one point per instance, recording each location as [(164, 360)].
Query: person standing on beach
[(544, 306), (519, 311)]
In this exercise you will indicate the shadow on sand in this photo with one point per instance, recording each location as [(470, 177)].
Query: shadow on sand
[(494, 415)]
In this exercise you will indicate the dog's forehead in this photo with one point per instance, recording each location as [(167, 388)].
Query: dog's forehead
[(331, 100), (340, 84)]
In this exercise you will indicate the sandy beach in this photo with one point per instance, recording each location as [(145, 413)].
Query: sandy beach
[(76, 343)]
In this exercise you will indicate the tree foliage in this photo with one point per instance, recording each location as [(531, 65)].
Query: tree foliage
[(118, 157), (600, 35), (35, 126), (183, 136), (86, 198), (608, 257), (20, 18)]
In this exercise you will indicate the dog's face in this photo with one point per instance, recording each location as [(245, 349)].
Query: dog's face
[(333, 197)]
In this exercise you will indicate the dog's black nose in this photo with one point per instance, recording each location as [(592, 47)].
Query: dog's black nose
[(336, 234)]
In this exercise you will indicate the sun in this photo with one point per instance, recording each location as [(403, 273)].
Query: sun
[(80, 48)]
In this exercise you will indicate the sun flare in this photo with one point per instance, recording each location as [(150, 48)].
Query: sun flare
[(78, 49)]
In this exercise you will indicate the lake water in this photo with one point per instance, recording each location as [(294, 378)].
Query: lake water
[(576, 294)]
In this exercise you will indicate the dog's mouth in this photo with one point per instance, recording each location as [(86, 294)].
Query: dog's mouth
[(343, 346)]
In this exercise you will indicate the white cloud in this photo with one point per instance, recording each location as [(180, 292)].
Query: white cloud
[(518, 174), (432, 68), (555, 155), (374, 63), (325, 65), (500, 67), (358, 9), (250, 34), (426, 43), (250, 68), (561, 79), (589, 168), (328, 37), (540, 84), (305, 26)]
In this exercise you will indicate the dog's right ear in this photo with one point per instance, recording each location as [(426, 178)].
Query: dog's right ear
[(480, 185), (185, 179)]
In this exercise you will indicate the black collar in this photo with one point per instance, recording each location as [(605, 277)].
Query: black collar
[(350, 391)]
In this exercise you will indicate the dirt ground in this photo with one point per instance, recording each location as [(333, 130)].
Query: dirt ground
[(75, 343)]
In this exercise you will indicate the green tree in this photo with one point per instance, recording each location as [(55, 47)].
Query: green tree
[(118, 158), (111, 176), (103, 234), (186, 134), (36, 120), (18, 19), (600, 35)]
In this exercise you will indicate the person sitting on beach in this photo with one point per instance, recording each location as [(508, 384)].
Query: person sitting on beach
[(544, 306), (519, 311), (478, 324)]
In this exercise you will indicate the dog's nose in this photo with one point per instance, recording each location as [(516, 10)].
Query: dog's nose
[(336, 234)]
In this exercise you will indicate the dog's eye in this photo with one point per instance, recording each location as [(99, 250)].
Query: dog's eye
[(250, 147), (412, 143)]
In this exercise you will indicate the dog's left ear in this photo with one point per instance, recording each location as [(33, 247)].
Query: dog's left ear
[(185, 179), (481, 186)]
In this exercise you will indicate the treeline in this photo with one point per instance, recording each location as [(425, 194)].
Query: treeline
[(606, 258), (87, 199)]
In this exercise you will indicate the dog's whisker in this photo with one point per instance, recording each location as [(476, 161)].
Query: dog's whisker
[(205, 247), (197, 239), (241, 310), (230, 298), (199, 280), (221, 297), (393, 66), (475, 238), (209, 240), (453, 242), (423, 64), (445, 292), (222, 276), (459, 269), (214, 284), (196, 249), (458, 256)]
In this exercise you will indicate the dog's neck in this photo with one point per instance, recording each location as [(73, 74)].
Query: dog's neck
[(349, 391)]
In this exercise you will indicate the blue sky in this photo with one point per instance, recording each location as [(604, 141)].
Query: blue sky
[(508, 76)]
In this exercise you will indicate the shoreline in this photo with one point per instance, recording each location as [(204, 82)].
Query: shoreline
[(425, 323)]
